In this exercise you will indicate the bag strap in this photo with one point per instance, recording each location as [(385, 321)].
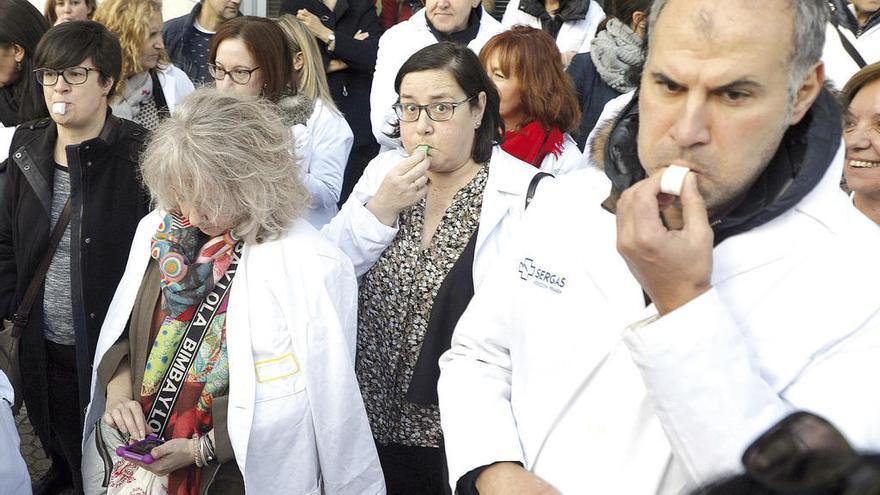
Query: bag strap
[(850, 49), (159, 96), (533, 187), (22, 314), (172, 382)]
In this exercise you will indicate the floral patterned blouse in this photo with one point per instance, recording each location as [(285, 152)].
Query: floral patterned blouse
[(396, 297)]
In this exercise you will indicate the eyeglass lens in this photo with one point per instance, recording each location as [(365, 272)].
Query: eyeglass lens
[(71, 75), (409, 112), (239, 76)]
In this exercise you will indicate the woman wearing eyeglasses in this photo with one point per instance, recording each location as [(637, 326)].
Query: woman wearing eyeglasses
[(252, 56), (422, 227), (84, 161), (150, 86)]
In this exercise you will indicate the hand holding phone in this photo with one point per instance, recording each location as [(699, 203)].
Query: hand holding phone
[(140, 451)]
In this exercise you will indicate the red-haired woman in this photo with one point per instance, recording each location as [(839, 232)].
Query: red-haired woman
[(538, 103)]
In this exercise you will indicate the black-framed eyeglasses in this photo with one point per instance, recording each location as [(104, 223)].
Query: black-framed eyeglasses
[(803, 453), (72, 75), (239, 76), (440, 111)]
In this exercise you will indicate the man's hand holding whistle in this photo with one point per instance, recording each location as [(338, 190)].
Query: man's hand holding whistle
[(667, 248)]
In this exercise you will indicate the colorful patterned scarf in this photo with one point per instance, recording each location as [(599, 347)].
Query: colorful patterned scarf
[(190, 263)]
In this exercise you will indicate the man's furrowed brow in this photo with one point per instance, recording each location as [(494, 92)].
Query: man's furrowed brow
[(660, 77), (741, 84)]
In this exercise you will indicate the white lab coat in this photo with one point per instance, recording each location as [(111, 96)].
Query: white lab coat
[(6, 134), (323, 145), (395, 47), (839, 65), (569, 160), (360, 235), (301, 428), (548, 373), (573, 36), (14, 477), (175, 85)]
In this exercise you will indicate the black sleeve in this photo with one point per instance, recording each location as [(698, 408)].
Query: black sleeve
[(467, 484), (360, 55), (577, 71), (8, 275), (290, 7)]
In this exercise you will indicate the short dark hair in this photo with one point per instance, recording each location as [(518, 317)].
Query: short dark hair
[(269, 46), (623, 11), (464, 66), (70, 43), (23, 25)]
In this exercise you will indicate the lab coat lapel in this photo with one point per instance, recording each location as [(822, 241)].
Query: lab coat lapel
[(242, 377), (504, 192)]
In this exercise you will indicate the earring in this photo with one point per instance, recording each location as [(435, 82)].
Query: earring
[(476, 125), (18, 66)]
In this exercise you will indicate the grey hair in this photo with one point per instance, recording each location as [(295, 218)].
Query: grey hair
[(230, 157), (810, 19)]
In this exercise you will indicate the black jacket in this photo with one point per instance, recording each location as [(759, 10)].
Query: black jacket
[(108, 200), (592, 92), (842, 16), (177, 36), (8, 107), (804, 155), (350, 87), (569, 10)]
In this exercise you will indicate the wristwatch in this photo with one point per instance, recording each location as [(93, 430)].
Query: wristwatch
[(331, 42)]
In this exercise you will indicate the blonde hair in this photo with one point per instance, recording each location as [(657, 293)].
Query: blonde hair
[(312, 78), (229, 157), (130, 21)]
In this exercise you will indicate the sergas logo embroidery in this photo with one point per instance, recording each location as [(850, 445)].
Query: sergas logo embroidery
[(539, 276)]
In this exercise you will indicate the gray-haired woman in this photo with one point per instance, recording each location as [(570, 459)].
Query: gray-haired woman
[(270, 396)]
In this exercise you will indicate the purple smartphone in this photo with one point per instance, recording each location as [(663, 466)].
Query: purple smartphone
[(140, 451)]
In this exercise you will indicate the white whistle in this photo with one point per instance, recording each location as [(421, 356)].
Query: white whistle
[(673, 179), (59, 108)]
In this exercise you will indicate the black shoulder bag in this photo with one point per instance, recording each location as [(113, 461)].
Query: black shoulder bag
[(10, 334)]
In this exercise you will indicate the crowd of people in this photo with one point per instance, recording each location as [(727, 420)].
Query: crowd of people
[(394, 247)]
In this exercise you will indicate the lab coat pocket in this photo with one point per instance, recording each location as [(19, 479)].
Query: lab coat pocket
[(278, 377)]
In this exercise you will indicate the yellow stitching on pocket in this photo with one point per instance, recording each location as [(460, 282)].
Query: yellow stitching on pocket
[(276, 368)]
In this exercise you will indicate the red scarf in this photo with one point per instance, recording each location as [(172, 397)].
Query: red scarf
[(532, 143)]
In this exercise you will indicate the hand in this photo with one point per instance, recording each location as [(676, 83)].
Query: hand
[(672, 266), (127, 416), (336, 64), (509, 478), (566, 58), (405, 185), (361, 35), (314, 25), (171, 456)]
